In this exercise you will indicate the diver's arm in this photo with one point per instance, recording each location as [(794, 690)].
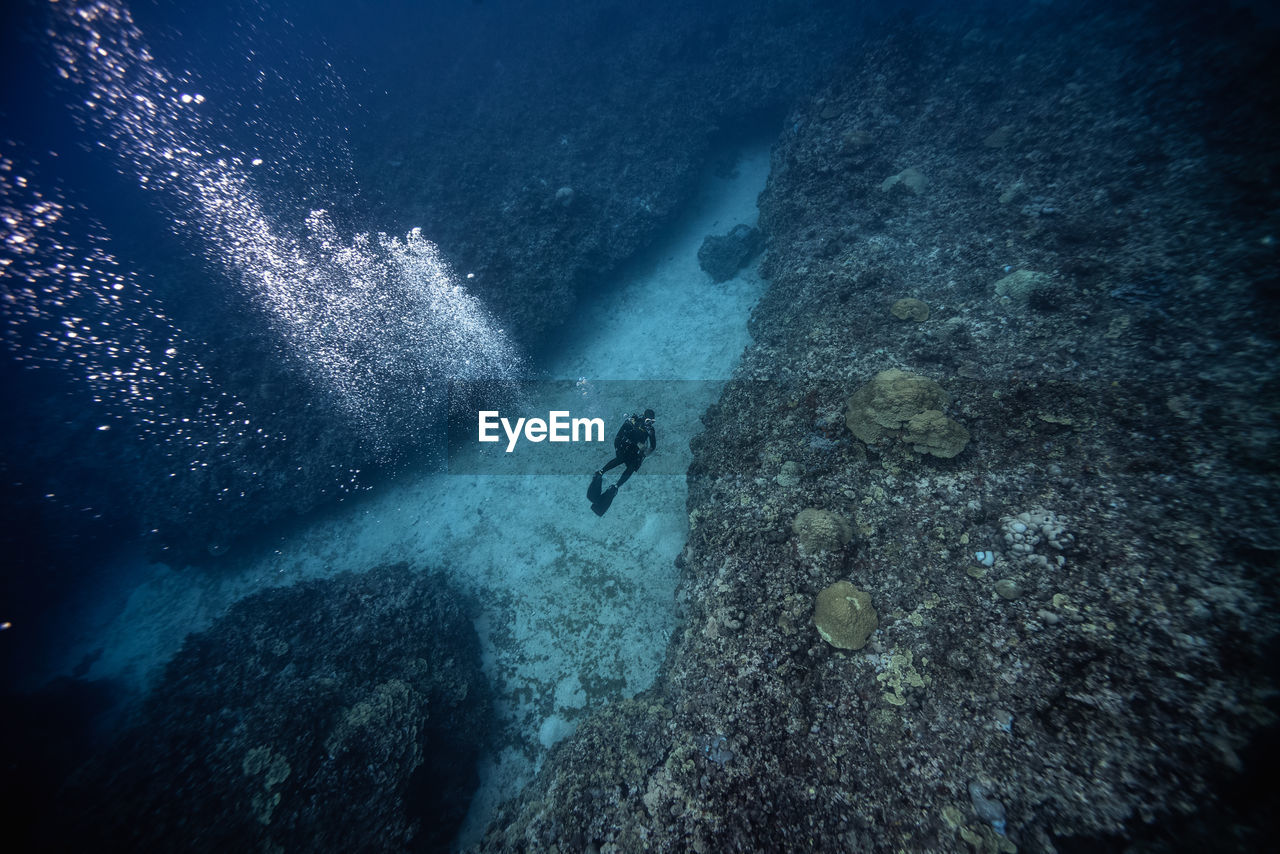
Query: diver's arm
[(653, 439)]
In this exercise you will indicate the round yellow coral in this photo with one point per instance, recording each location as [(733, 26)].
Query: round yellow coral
[(908, 308), (821, 531), (844, 616)]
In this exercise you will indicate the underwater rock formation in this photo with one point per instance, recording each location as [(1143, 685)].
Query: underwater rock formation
[(604, 160), (721, 256), (631, 139), (1111, 703), (345, 714)]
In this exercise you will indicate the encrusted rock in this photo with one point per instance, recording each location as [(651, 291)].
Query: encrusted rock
[(910, 179), (366, 739), (1018, 286), (1007, 588), (390, 707), (999, 137), (721, 256), (1025, 531), (271, 769), (987, 808), (790, 474), (908, 308), (844, 616)]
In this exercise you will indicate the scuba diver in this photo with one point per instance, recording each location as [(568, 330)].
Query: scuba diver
[(629, 447)]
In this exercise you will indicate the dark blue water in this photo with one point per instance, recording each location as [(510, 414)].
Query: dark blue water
[(264, 397)]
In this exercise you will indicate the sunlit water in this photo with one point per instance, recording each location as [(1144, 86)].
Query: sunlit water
[(575, 610), (378, 322)]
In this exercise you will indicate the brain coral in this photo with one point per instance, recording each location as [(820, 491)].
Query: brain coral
[(889, 401), (844, 616), (821, 530), (896, 402), (931, 432)]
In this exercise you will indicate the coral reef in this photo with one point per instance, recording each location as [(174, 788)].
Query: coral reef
[(343, 714), (1113, 699)]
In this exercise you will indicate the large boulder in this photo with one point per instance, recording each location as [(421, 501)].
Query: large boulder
[(343, 715), (721, 256)]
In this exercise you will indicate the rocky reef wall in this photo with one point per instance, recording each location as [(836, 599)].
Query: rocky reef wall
[(1075, 610), (340, 714)]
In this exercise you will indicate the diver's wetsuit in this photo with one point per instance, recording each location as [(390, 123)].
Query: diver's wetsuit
[(632, 436)]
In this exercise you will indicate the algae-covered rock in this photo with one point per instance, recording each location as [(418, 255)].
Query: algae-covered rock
[(844, 616), (270, 769), (899, 675), (931, 432), (999, 137), (273, 767), (365, 738), (1019, 285), (1007, 588), (910, 179), (908, 308), (889, 401), (821, 530), (722, 256), (391, 708), (790, 475)]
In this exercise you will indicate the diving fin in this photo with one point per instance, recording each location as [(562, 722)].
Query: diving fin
[(593, 491), (601, 505)]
